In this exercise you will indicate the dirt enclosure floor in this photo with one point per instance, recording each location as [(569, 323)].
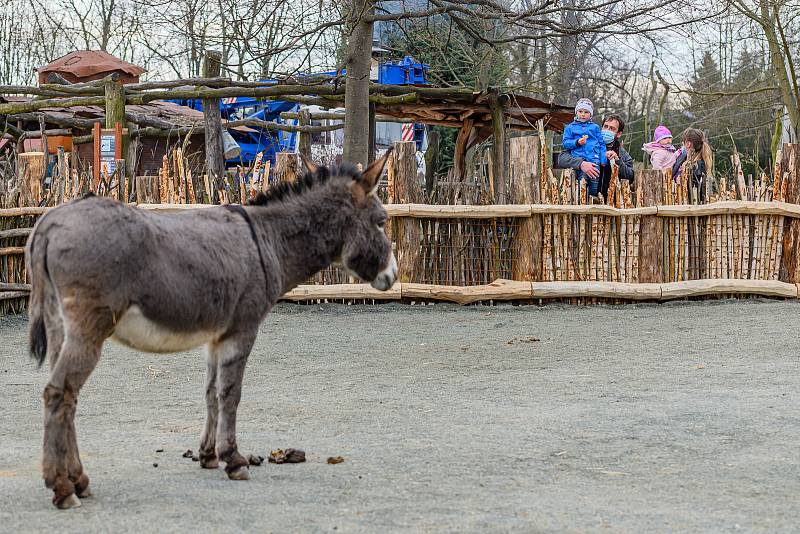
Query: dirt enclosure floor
[(677, 417)]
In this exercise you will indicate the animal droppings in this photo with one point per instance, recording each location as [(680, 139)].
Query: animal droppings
[(255, 459), (288, 456)]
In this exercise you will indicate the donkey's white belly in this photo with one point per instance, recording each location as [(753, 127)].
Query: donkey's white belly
[(137, 331)]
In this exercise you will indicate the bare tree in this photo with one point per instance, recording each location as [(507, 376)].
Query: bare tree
[(775, 19)]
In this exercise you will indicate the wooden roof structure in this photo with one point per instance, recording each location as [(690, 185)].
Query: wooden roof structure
[(156, 114), (87, 65), (521, 112), (480, 115)]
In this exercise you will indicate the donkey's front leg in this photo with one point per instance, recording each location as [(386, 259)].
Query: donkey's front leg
[(231, 354), (208, 442)]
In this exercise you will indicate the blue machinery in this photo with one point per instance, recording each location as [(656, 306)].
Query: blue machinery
[(403, 72)]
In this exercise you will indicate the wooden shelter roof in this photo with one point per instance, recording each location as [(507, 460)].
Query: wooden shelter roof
[(520, 112), (88, 64)]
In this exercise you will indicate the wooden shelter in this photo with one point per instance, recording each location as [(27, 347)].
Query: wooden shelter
[(478, 116)]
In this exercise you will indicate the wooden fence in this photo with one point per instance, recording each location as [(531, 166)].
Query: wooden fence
[(551, 244), (473, 253)]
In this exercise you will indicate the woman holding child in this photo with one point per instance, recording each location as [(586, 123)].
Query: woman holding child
[(694, 156)]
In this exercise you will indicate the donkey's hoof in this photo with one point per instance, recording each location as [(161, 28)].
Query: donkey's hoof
[(240, 473), (70, 501), (82, 487), (211, 463)]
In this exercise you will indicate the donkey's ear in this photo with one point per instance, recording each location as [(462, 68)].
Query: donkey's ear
[(310, 165), (369, 178)]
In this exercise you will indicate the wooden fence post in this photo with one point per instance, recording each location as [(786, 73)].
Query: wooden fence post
[(31, 169), (525, 168), (285, 167), (304, 138), (115, 117), (147, 190), (405, 190), (651, 243), (790, 261), (212, 117)]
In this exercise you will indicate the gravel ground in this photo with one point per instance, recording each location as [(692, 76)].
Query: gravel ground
[(641, 418)]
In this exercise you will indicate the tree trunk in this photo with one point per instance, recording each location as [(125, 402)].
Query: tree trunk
[(215, 162), (356, 99), (779, 63), (499, 166)]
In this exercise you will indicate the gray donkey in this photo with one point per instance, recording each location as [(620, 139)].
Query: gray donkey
[(167, 282)]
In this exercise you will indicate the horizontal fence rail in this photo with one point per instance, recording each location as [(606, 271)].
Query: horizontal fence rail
[(506, 290), (491, 211)]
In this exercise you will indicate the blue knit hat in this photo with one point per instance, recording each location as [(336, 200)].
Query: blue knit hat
[(586, 105)]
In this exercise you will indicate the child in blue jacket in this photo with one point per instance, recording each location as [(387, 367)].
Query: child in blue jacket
[(583, 139)]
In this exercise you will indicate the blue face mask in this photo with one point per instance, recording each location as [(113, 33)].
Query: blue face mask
[(608, 136)]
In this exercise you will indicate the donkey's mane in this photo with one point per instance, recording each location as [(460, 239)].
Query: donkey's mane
[(308, 181)]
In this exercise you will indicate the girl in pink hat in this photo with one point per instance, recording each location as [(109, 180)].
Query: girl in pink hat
[(662, 153)]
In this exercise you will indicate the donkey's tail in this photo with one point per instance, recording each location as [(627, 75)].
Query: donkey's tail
[(36, 266)]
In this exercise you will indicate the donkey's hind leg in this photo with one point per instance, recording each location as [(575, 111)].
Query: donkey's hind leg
[(54, 327), (61, 466), (231, 354), (208, 442)]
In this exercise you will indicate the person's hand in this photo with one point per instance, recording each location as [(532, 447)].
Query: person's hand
[(611, 155), (590, 169), (582, 140)]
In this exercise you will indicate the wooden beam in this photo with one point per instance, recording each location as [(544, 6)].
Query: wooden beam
[(692, 288), (614, 290), (11, 108), (15, 232), (341, 291), (304, 137), (336, 115), (497, 290)]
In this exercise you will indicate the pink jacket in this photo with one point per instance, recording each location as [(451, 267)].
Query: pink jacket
[(661, 156)]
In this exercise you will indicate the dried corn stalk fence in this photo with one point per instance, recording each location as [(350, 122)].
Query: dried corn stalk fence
[(552, 243)]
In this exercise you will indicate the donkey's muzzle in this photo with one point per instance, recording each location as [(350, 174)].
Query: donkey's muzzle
[(386, 277)]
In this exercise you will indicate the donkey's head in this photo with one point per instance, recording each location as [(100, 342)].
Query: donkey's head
[(366, 251)]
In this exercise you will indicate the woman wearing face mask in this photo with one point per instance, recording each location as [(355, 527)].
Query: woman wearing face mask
[(696, 158)]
